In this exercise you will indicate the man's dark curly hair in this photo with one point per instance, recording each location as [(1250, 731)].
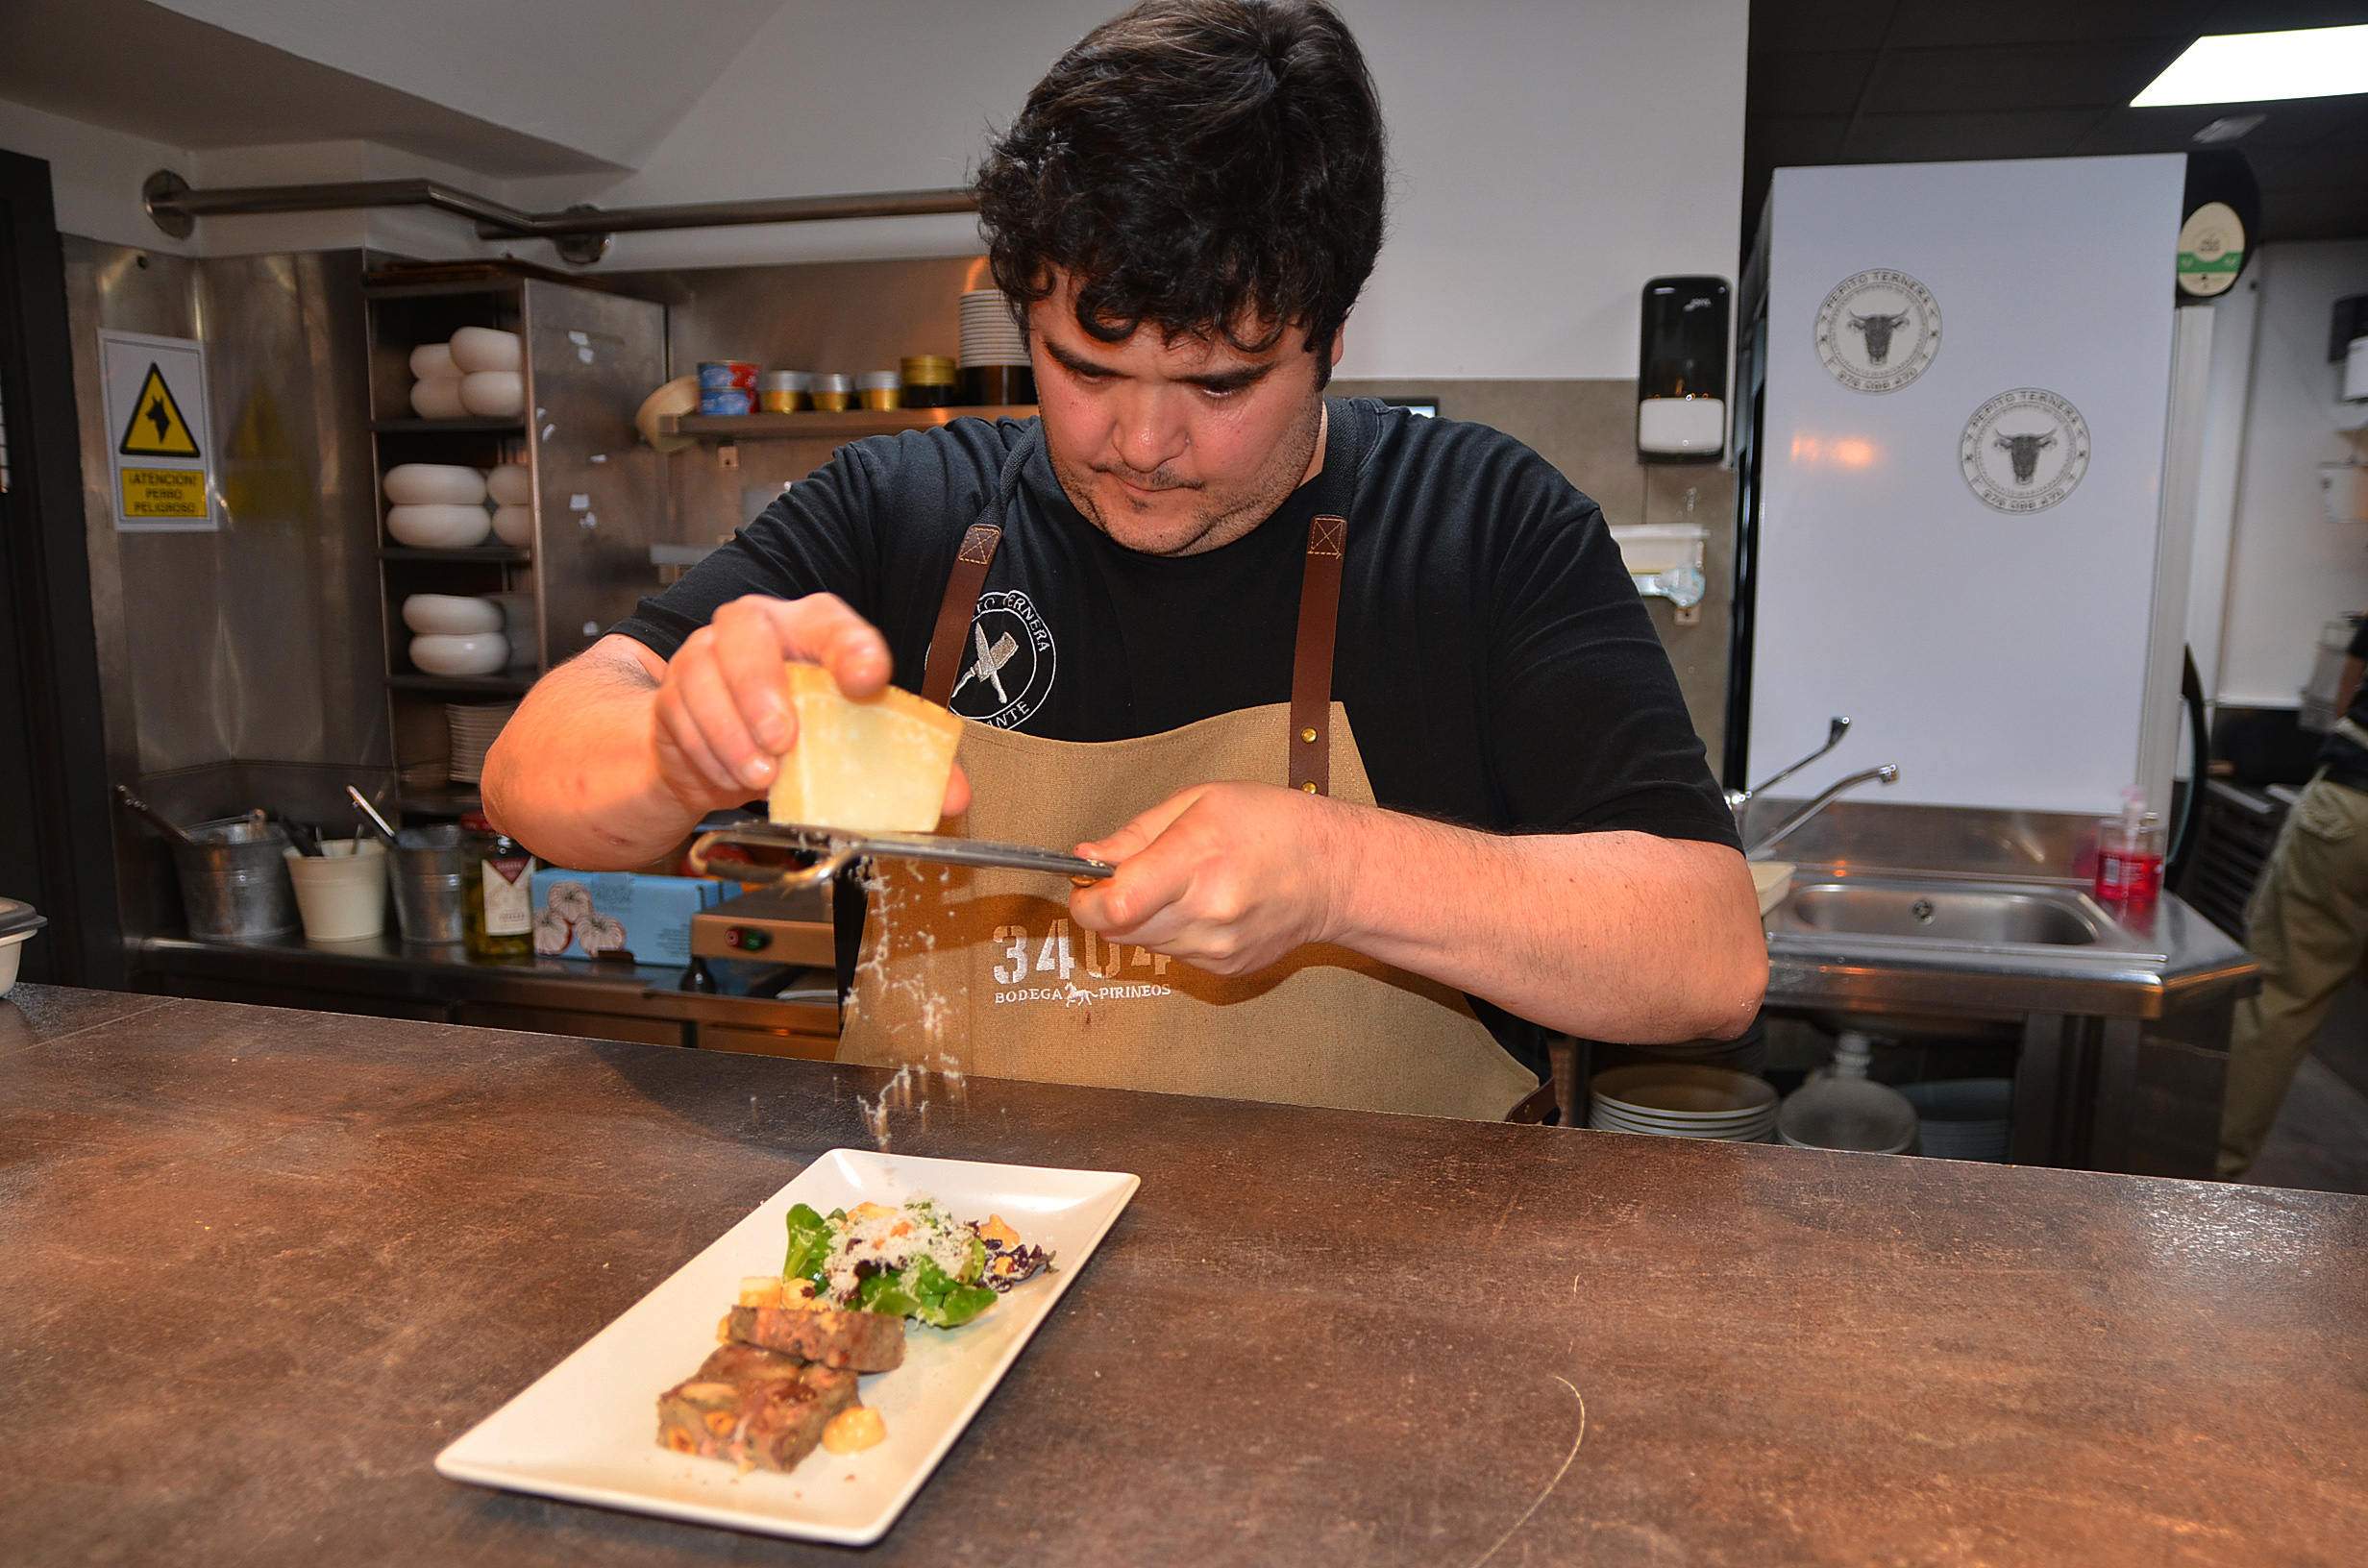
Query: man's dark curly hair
[(1201, 166)]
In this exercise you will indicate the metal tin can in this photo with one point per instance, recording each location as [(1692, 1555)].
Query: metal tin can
[(834, 392), (783, 391), (727, 375), (880, 389), (725, 400), (929, 380)]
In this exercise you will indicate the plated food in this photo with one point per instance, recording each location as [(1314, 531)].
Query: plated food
[(784, 1380), (581, 1432)]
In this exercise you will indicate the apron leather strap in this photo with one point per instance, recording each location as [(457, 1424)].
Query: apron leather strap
[(956, 610), (1311, 663)]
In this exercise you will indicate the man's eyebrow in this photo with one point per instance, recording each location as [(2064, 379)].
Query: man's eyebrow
[(1070, 362), (1220, 380), (1231, 380)]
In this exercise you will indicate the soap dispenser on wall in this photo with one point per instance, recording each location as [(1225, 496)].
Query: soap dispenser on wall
[(1681, 371)]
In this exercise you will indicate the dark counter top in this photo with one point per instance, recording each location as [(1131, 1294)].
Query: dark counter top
[(261, 1265)]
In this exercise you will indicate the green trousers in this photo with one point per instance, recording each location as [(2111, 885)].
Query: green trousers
[(2308, 924)]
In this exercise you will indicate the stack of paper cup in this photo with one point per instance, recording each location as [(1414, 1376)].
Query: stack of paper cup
[(990, 336)]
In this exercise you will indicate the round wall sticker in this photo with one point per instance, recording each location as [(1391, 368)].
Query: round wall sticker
[(2024, 451), (1877, 330)]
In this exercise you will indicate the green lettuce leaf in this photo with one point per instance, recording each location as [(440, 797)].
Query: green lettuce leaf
[(810, 1243)]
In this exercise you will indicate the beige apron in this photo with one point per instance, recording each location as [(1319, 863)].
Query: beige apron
[(987, 969)]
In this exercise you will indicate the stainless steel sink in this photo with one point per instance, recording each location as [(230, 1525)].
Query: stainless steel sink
[(1986, 916)]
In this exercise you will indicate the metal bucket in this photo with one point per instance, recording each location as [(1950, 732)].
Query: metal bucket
[(233, 880), (427, 883)]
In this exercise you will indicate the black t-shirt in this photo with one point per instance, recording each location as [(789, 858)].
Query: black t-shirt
[(1497, 665)]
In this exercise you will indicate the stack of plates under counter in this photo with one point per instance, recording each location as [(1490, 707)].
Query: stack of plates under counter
[(1678, 1099), (1964, 1119), (473, 725)]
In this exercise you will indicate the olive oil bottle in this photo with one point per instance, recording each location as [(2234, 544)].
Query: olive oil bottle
[(499, 892)]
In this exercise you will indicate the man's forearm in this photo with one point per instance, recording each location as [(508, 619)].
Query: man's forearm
[(1611, 936), (574, 776)]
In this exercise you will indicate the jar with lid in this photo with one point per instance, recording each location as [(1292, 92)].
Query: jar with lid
[(498, 892)]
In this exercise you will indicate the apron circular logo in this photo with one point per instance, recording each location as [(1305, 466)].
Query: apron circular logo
[(2024, 451), (1877, 330), (1008, 667)]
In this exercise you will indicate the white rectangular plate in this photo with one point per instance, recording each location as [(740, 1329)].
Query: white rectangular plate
[(587, 1431)]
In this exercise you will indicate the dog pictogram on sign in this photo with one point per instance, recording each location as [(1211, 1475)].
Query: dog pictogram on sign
[(156, 428)]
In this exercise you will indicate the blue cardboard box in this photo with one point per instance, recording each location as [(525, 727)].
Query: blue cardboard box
[(585, 913)]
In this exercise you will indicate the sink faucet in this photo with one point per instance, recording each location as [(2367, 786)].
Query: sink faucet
[(1888, 773)]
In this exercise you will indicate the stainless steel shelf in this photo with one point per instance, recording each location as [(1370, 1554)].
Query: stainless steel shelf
[(510, 683), (429, 426), (497, 554), (823, 425)]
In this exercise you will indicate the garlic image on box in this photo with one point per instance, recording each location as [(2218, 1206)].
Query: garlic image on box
[(567, 918)]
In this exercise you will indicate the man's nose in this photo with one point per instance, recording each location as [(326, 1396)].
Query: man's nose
[(1150, 429)]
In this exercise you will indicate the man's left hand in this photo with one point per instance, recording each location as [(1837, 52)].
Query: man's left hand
[(1228, 878)]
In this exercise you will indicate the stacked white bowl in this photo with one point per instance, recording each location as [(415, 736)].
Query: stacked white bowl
[(1678, 1099), (458, 634), (474, 726), (989, 335), (481, 372), (437, 505), (512, 489)]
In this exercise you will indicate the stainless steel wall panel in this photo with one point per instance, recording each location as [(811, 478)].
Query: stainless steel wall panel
[(255, 644), (593, 358)]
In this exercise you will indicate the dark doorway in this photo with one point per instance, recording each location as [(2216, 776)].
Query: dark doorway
[(55, 843)]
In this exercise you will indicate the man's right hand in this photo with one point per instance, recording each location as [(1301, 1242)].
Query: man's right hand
[(723, 707)]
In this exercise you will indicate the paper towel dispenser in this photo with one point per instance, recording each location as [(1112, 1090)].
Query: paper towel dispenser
[(1681, 371)]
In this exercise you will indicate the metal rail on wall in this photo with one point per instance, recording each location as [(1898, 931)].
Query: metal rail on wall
[(581, 233)]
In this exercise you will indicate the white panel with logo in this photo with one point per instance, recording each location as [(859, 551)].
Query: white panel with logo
[(1967, 379)]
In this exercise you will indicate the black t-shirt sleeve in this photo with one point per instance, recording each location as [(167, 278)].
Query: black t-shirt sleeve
[(815, 538), (1585, 724)]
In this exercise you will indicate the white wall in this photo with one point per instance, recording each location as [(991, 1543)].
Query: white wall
[(2235, 317), (607, 78), (95, 176), (2290, 569), (1548, 156)]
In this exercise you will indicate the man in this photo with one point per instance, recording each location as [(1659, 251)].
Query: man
[(1391, 843), (2307, 923)]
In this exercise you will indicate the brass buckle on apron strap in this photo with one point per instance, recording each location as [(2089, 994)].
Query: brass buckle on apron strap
[(838, 849)]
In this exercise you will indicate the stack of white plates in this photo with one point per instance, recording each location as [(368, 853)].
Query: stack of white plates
[(1680, 1100), (473, 725), (1965, 1119), (989, 335)]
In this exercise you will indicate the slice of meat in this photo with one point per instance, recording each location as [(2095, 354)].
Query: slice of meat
[(863, 1341), (756, 1408)]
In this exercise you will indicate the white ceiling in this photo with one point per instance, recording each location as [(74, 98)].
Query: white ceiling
[(539, 86), (607, 78)]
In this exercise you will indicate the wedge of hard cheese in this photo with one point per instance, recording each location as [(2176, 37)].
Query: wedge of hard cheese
[(873, 766)]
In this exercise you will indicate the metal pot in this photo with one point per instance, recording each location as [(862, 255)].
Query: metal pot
[(233, 880)]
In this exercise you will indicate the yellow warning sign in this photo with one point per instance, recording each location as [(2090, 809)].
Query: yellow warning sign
[(163, 492), (157, 429)]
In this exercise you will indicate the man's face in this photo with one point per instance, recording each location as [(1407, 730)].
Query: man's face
[(1173, 448)]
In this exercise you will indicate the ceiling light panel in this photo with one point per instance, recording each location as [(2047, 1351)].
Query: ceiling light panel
[(2257, 67)]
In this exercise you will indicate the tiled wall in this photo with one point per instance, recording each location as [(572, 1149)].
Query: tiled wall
[(1588, 430)]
